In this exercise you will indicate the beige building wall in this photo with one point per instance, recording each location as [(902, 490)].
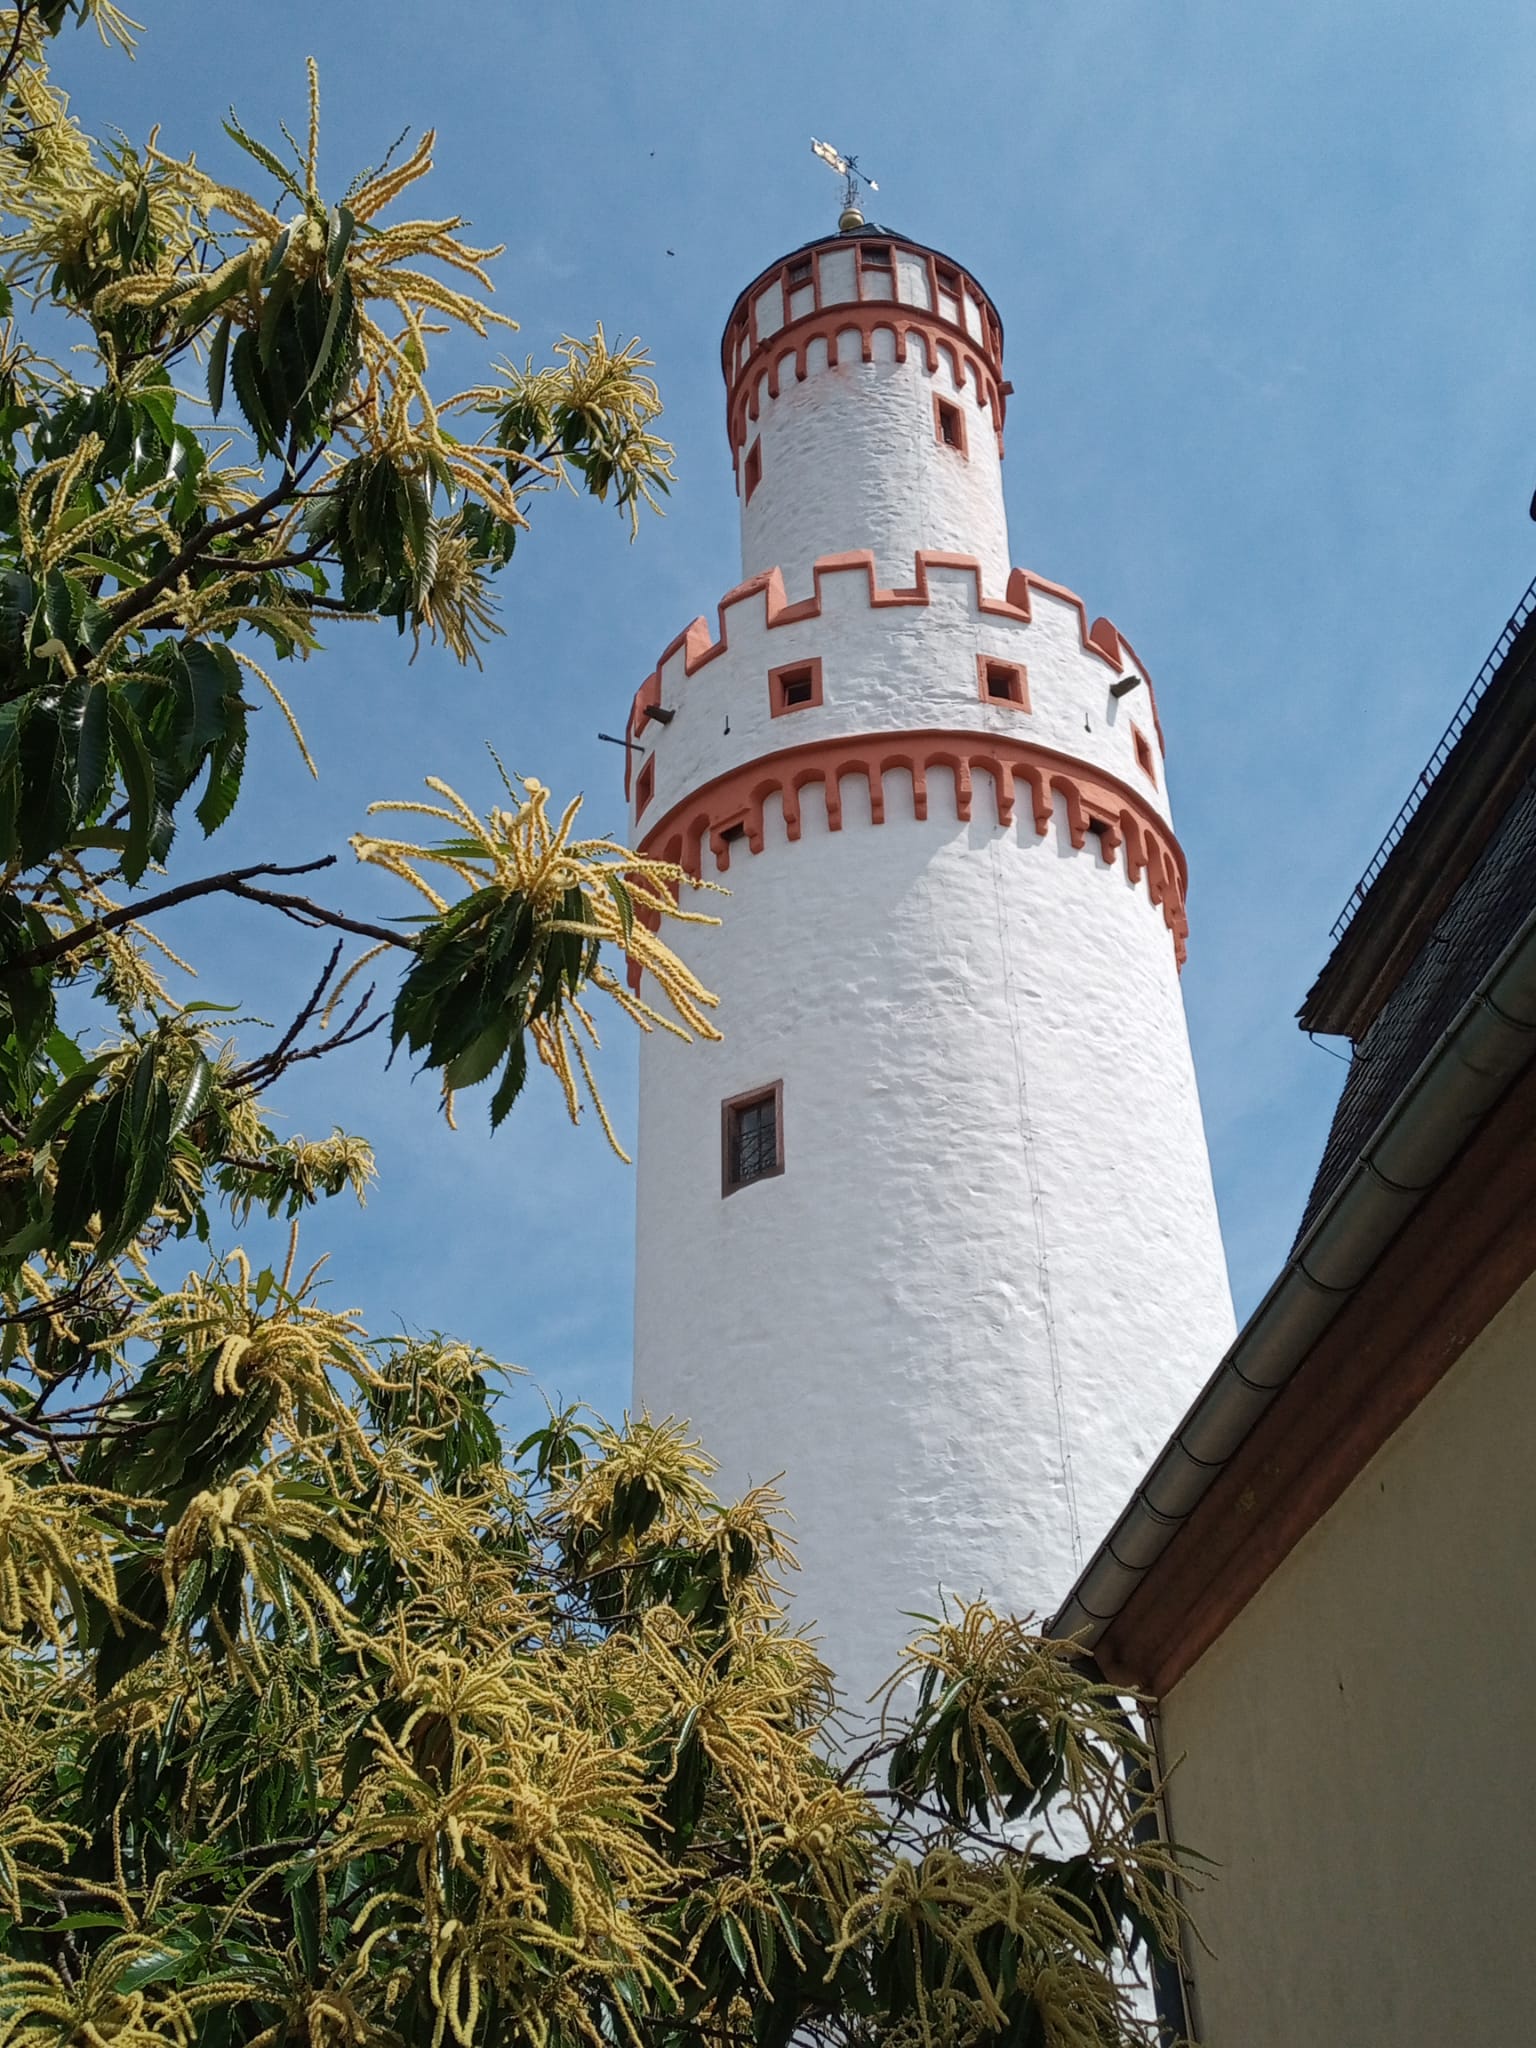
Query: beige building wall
[(1360, 1745)]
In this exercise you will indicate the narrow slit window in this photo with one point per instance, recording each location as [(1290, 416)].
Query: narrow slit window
[(752, 474), (1144, 760), (645, 786), (795, 687), (949, 424), (751, 1137), (1003, 682)]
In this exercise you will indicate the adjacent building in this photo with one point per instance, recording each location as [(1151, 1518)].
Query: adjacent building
[(1327, 1579)]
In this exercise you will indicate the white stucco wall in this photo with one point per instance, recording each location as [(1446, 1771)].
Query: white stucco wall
[(851, 458), (1356, 1745), (963, 1319), (990, 1278)]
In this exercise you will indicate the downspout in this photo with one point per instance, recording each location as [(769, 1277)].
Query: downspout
[(1474, 1062), (1172, 1979), (1174, 1984)]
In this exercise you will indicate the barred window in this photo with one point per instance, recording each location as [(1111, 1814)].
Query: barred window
[(752, 1137)]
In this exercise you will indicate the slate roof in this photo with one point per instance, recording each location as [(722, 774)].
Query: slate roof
[(1493, 901)]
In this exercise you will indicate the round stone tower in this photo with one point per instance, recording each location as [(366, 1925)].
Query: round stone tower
[(930, 1237)]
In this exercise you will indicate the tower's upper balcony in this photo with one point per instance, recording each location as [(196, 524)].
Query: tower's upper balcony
[(865, 409)]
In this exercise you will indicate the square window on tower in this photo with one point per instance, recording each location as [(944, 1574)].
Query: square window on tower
[(796, 687), (751, 1137), (1003, 682), (949, 424)]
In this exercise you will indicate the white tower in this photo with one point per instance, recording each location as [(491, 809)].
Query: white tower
[(931, 1234)]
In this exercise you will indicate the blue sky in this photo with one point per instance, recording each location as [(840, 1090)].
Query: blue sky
[(1266, 281)]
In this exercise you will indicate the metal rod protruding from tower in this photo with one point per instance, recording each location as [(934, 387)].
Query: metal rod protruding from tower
[(847, 168)]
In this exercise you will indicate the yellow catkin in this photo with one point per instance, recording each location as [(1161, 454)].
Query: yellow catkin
[(521, 851)]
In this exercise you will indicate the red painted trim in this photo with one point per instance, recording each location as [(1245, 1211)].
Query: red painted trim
[(743, 317), (731, 805), (862, 320), (1017, 698), (699, 647), (776, 680)]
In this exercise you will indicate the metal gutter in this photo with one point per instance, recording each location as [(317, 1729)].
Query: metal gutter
[(1474, 1062)]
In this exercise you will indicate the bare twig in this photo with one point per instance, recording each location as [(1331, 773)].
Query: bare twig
[(23, 11), (261, 1072)]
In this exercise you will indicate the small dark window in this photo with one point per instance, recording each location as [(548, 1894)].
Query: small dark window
[(752, 1136), (645, 786), (1144, 755), (876, 256), (729, 834), (795, 688), (1002, 682), (753, 473), (949, 280), (951, 424), (798, 273), (1101, 830)]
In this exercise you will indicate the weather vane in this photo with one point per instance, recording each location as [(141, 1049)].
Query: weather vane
[(847, 168)]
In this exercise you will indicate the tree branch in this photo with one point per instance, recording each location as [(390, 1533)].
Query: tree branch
[(8, 65), (134, 603), (303, 911), (234, 882), (261, 1072)]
